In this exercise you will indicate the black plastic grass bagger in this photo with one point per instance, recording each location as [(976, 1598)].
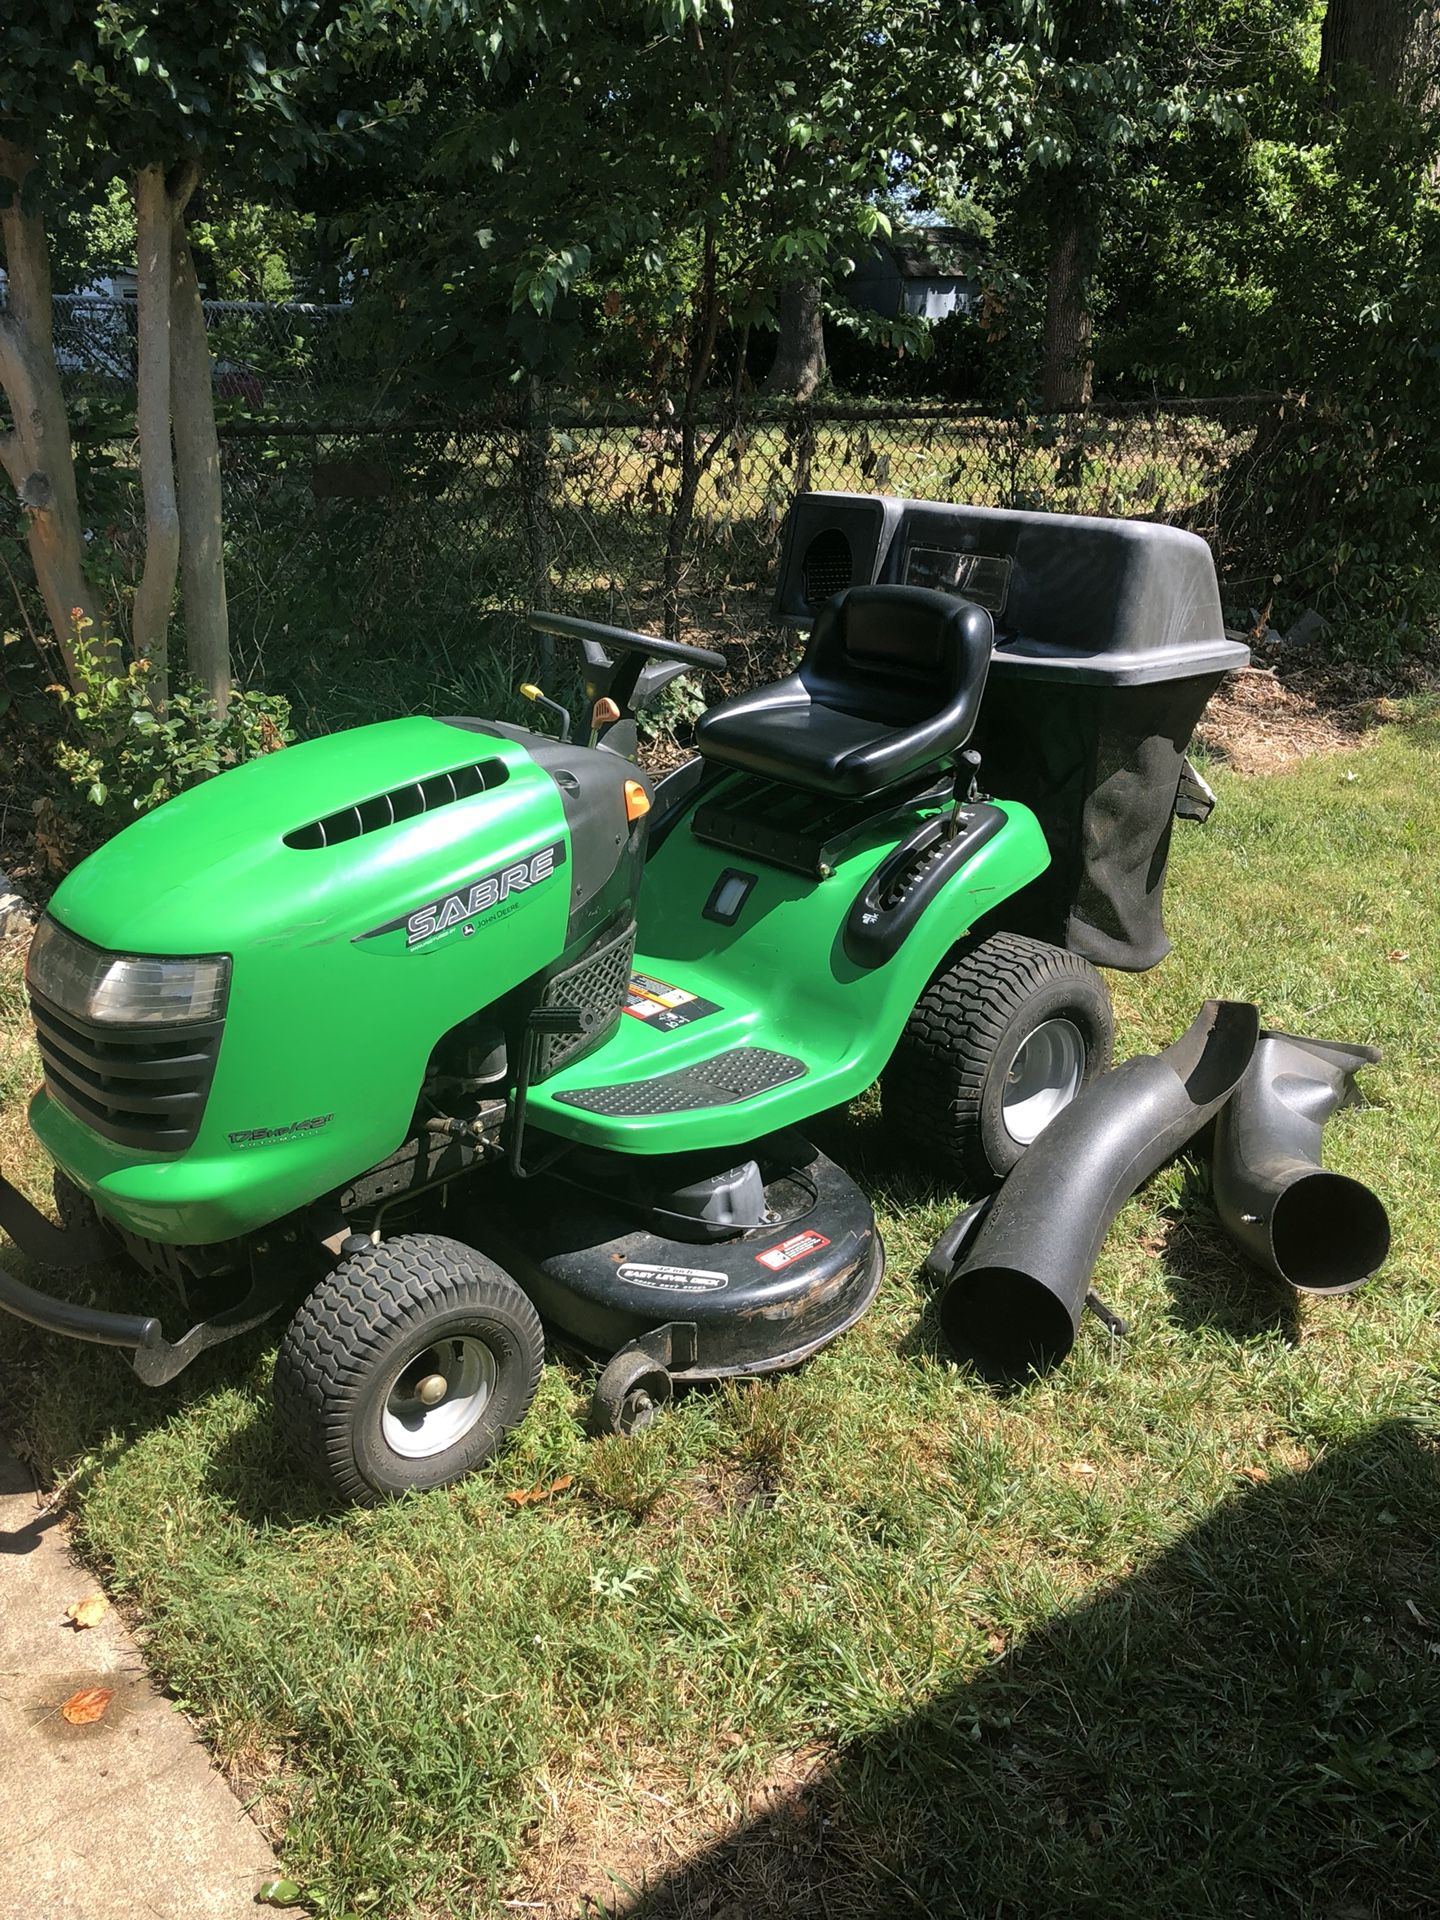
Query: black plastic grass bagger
[(1109, 641)]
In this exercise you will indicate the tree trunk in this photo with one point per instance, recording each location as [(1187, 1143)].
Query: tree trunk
[(197, 473), (694, 459), (1397, 42), (800, 356), (154, 597), (1067, 368), (36, 452)]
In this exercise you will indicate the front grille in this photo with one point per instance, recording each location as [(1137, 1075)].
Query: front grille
[(141, 1086)]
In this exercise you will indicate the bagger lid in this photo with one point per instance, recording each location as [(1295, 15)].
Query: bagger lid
[(1099, 602), (1095, 601), (1086, 600)]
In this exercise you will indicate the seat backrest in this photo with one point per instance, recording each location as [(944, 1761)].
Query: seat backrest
[(898, 655)]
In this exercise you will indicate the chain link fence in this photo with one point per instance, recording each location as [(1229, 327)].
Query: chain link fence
[(401, 543), (375, 556)]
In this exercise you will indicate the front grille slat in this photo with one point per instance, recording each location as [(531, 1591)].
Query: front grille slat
[(139, 1087), (137, 1096), (149, 1042), (107, 1118), (181, 1067)]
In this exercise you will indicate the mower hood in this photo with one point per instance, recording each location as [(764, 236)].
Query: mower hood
[(301, 844), (370, 891)]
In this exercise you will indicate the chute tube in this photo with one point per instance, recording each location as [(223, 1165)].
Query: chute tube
[(1320, 1232), (1015, 1301)]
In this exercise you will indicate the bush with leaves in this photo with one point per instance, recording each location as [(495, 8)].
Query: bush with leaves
[(124, 757), (1301, 261)]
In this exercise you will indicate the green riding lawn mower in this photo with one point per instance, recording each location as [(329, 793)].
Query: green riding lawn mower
[(441, 1033)]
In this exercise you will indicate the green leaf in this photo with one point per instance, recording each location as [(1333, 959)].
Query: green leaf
[(278, 1893)]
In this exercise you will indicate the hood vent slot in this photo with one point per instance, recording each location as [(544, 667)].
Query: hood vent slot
[(400, 803)]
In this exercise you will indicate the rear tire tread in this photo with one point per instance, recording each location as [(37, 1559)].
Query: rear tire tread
[(932, 1088)]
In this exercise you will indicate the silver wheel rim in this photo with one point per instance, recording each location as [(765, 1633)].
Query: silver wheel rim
[(420, 1420), (1044, 1077)]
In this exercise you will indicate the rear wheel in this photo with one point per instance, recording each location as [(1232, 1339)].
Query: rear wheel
[(406, 1367), (1000, 1042)]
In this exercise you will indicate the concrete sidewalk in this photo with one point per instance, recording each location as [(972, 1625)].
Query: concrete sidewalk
[(123, 1818)]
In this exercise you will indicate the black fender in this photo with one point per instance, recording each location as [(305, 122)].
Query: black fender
[(1320, 1232), (1015, 1298)]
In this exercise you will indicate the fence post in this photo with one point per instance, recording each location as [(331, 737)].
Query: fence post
[(533, 464)]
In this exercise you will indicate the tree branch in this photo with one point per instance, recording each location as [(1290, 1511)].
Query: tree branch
[(181, 187), (27, 266)]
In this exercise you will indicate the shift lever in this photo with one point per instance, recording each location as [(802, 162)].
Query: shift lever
[(969, 763)]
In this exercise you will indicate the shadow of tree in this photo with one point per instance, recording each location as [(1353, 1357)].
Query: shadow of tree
[(1244, 1726)]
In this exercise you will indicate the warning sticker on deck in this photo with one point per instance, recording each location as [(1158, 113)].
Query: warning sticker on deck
[(662, 1006), (798, 1247)]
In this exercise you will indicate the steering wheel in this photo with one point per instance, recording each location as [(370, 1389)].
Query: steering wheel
[(591, 633)]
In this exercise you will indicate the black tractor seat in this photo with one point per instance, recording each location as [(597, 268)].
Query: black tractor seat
[(890, 683)]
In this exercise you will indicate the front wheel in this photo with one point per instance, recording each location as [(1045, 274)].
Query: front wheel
[(1001, 1041), (406, 1367), (631, 1393)]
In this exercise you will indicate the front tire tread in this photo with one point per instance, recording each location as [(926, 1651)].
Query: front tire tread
[(339, 1333)]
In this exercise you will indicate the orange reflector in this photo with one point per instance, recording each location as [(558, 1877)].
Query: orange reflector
[(637, 800)]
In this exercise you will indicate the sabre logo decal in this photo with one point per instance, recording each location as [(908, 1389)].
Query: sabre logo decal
[(479, 896)]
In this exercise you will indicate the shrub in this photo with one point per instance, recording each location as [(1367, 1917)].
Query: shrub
[(123, 756)]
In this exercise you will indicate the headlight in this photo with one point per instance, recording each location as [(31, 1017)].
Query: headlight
[(123, 989)]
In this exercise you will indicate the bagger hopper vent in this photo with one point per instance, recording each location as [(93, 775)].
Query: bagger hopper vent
[(400, 803), (832, 541), (828, 567)]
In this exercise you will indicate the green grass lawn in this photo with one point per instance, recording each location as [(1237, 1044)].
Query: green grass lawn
[(1159, 1635)]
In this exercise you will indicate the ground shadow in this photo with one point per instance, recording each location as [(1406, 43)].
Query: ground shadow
[(254, 1472), (16, 1478), (856, 1138), (74, 1401), (1243, 1727)]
